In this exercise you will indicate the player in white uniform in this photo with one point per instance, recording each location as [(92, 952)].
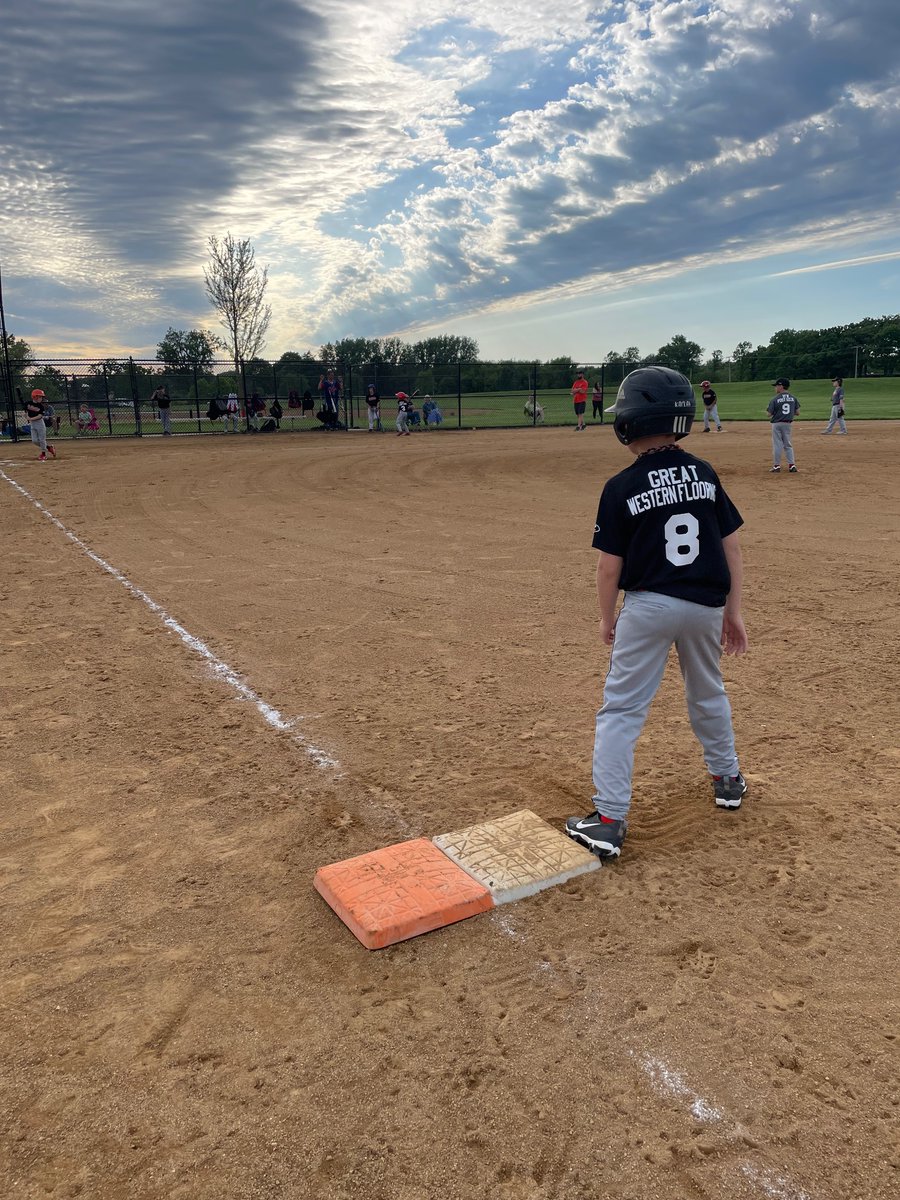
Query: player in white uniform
[(667, 536)]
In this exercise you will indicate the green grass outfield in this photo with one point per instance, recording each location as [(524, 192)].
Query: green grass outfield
[(865, 399)]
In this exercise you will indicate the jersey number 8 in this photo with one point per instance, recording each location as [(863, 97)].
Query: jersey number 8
[(682, 539)]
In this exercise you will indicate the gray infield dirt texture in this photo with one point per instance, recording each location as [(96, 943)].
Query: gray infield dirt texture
[(182, 1016)]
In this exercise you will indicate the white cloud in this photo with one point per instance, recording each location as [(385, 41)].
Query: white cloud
[(417, 161)]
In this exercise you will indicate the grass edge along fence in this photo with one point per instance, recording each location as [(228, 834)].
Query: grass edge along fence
[(468, 395)]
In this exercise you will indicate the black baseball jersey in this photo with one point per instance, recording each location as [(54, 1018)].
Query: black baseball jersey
[(708, 396), (666, 516)]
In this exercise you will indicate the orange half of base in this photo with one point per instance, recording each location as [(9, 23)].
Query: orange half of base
[(400, 891)]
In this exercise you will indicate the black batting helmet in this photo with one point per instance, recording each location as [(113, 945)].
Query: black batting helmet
[(653, 400)]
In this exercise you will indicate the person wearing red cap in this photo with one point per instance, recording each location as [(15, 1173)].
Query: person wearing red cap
[(710, 407)]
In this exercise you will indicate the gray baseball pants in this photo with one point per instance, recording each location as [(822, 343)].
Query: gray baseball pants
[(648, 626), (39, 434), (711, 414), (781, 440), (836, 420)]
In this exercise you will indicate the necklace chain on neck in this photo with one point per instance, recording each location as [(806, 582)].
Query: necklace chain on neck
[(659, 449)]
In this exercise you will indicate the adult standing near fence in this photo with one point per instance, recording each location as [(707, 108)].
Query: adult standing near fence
[(597, 402), (163, 402), (579, 398), (837, 407), (782, 409), (34, 411), (330, 389), (710, 407)]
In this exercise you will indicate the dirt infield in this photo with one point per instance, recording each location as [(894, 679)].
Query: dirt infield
[(183, 1017)]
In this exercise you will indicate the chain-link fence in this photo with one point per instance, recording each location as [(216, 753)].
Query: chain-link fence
[(128, 398)]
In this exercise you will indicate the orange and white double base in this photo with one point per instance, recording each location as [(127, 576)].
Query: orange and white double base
[(413, 887)]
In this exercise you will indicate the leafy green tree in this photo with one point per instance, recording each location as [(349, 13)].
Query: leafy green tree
[(20, 355), (681, 354), (445, 349), (392, 351), (182, 349), (21, 358), (743, 358), (349, 351), (51, 380)]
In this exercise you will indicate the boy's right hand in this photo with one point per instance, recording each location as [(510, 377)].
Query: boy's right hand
[(734, 635)]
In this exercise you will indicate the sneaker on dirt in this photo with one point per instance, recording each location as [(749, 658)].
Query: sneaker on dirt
[(729, 789), (600, 835)]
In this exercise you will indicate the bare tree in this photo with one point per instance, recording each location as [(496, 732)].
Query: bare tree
[(237, 289)]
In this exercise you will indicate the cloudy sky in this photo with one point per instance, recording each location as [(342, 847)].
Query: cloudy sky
[(562, 177)]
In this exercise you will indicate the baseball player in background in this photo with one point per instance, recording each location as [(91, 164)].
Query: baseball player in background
[(782, 409), (667, 536), (837, 407), (34, 411), (710, 407)]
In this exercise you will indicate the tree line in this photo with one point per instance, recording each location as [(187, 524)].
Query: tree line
[(236, 289), (867, 347)]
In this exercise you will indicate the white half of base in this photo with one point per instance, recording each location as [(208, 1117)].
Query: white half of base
[(517, 855)]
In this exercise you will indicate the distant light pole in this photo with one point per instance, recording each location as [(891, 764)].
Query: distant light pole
[(856, 350)]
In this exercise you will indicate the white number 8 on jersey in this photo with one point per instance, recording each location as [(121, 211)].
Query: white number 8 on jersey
[(682, 539)]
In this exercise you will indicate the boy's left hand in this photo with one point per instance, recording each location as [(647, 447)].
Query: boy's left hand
[(607, 631)]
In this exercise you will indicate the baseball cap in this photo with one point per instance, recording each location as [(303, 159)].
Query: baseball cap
[(782, 382), (705, 383)]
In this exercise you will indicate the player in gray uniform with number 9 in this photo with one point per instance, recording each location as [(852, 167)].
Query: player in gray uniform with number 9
[(667, 536), (782, 409)]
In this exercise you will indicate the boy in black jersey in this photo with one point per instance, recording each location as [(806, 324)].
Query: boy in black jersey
[(667, 536)]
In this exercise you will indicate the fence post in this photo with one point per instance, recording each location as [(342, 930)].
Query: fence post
[(246, 401), (197, 397), (459, 395), (532, 373), (348, 397), (108, 405), (603, 392), (7, 373), (135, 398)]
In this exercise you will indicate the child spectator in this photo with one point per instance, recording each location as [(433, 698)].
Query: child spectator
[(373, 406), (232, 411)]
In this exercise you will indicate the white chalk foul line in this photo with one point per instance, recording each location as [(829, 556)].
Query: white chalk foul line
[(668, 1081), (224, 672)]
